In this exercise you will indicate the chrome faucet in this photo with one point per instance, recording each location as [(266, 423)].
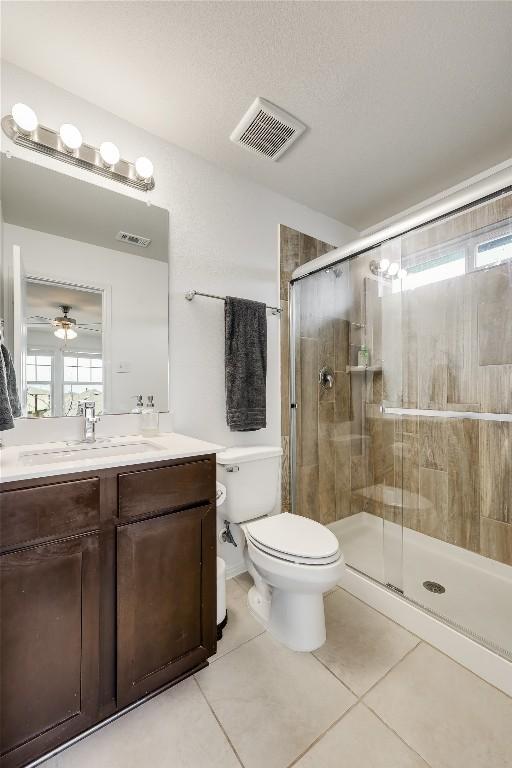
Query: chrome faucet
[(87, 409)]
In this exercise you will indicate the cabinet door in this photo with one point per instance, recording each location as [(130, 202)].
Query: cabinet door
[(166, 592), (48, 644)]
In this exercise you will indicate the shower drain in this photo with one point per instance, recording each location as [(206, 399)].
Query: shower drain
[(433, 586)]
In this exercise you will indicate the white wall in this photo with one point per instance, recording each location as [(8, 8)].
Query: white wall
[(224, 236), (137, 290)]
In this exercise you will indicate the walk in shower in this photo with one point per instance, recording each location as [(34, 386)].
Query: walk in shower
[(401, 402)]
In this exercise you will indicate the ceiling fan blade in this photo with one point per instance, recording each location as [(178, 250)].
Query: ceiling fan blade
[(86, 328)]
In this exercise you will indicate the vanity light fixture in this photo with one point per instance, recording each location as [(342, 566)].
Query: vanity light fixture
[(70, 137), (23, 128), (144, 168), (25, 119), (109, 153)]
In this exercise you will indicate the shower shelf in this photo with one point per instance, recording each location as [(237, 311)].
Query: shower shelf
[(363, 368)]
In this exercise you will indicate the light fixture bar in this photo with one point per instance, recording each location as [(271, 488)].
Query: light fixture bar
[(48, 142)]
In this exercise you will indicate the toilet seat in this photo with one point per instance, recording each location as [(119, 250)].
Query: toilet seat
[(294, 539)]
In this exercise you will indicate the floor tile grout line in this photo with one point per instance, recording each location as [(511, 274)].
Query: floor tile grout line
[(244, 642), (422, 640), (397, 734), (391, 669), (324, 733), (396, 623), (338, 679), (218, 722)]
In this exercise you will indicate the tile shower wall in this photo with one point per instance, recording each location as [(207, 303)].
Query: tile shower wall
[(297, 248), (443, 346)]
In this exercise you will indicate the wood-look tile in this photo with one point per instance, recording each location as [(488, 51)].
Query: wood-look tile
[(495, 331), (289, 240), (309, 402), (432, 442), (326, 481), (496, 540), (285, 474), (496, 470), (341, 344), (431, 517), (462, 450), (495, 388), (285, 370), (309, 492), (308, 248), (342, 397)]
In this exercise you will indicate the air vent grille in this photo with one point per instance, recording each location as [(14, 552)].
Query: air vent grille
[(126, 237), (267, 130)]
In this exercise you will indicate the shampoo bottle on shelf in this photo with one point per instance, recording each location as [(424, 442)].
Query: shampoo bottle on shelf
[(149, 418), (363, 357)]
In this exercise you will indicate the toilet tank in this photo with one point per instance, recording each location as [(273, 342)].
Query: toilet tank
[(251, 477)]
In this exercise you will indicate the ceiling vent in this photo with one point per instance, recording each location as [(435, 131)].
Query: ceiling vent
[(126, 237), (267, 129)]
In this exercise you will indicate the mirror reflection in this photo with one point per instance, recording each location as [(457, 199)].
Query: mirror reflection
[(85, 285)]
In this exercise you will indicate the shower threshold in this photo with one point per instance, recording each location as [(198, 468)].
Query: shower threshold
[(478, 591)]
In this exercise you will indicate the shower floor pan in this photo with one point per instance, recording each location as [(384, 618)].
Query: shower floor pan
[(478, 591)]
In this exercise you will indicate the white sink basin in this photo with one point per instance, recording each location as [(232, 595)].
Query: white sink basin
[(81, 451)]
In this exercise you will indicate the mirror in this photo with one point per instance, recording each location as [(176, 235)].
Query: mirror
[(85, 287)]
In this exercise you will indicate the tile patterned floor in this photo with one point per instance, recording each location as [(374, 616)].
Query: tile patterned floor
[(373, 696)]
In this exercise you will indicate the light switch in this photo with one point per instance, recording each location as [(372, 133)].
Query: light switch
[(123, 366)]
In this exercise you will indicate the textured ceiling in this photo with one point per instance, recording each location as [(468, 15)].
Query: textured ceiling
[(401, 99)]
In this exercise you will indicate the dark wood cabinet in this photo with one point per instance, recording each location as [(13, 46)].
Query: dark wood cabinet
[(107, 594), (163, 598), (49, 631)]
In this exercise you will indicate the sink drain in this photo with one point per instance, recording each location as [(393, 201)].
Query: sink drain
[(433, 586)]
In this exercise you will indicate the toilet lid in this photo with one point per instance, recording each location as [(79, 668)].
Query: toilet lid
[(293, 535)]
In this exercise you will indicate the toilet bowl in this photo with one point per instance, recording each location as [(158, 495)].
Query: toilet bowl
[(293, 560)]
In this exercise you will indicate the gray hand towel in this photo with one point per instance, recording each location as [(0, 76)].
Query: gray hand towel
[(246, 364), (9, 400)]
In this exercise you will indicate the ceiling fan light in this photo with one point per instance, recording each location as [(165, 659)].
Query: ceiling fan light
[(65, 333)]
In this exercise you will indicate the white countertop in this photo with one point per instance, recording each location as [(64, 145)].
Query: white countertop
[(25, 462)]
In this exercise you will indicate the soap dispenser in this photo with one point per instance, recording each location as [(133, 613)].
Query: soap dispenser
[(149, 418), (139, 405)]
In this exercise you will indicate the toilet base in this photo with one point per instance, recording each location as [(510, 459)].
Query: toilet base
[(295, 619)]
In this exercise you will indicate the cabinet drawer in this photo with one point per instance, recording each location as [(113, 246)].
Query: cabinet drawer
[(49, 511), (158, 490)]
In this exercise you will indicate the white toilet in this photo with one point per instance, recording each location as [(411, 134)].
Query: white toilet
[(293, 560)]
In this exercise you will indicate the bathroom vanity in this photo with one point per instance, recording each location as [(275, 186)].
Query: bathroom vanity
[(107, 575)]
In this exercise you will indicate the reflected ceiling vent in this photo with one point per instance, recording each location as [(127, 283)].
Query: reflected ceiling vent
[(126, 237), (267, 129)]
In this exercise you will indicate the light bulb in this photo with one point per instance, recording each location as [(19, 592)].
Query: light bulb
[(25, 118), (383, 264), (393, 269), (144, 168), (109, 153), (402, 274), (65, 333), (70, 136)]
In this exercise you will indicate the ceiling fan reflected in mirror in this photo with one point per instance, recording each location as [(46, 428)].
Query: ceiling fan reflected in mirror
[(65, 326)]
